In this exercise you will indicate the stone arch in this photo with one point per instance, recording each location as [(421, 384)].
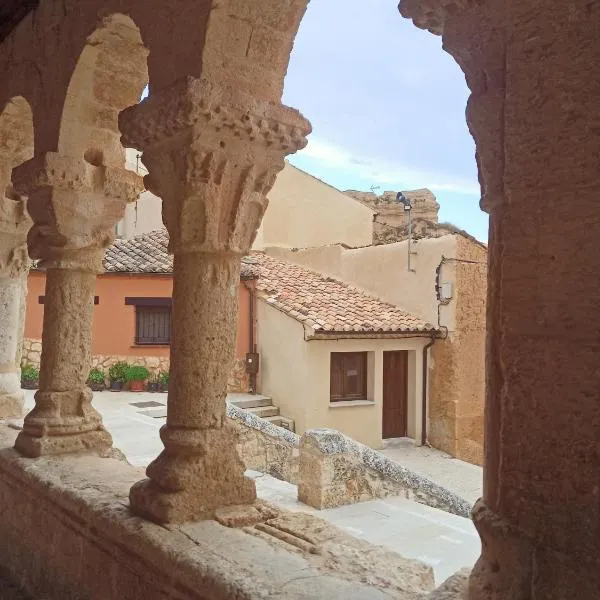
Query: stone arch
[(16, 140), (110, 75)]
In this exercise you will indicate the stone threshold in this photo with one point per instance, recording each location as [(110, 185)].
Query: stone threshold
[(67, 532)]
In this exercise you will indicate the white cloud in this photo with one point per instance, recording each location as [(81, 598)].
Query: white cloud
[(385, 172)]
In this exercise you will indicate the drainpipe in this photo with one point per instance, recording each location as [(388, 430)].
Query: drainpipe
[(424, 400)]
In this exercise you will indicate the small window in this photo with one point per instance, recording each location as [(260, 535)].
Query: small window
[(348, 376), (153, 325)]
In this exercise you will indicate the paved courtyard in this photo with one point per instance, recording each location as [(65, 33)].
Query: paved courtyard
[(462, 478), (444, 541)]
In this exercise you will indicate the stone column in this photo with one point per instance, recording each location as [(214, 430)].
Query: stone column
[(531, 66), (212, 158), (75, 206), (14, 265)]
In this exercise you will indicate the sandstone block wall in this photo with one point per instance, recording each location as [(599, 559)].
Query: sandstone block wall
[(238, 378), (457, 375)]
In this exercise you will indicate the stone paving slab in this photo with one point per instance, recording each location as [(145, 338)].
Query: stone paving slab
[(462, 478)]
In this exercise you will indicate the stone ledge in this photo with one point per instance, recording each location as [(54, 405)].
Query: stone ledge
[(67, 533), (251, 420)]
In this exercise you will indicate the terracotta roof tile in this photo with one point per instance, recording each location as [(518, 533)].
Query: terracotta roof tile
[(148, 253), (326, 304)]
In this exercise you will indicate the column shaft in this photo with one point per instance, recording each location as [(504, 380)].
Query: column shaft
[(63, 419), (199, 469), (12, 310)]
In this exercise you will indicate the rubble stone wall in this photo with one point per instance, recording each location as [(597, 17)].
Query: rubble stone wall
[(265, 447), (238, 378)]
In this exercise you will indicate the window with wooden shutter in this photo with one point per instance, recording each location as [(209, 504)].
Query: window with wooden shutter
[(348, 376), (152, 320), (153, 325)]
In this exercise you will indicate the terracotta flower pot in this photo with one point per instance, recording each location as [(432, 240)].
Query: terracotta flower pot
[(136, 386)]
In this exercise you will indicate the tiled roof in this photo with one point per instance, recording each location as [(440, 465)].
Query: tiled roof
[(145, 253), (326, 305), (148, 253)]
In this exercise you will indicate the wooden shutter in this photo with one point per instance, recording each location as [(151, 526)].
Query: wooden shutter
[(348, 376), (153, 325)]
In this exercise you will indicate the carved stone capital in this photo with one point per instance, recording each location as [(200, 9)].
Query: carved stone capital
[(75, 206), (14, 224), (431, 14), (212, 159)]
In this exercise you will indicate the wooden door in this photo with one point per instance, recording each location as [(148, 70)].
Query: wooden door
[(395, 394)]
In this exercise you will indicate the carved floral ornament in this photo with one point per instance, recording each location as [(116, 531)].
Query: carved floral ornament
[(74, 206), (212, 162), (191, 103)]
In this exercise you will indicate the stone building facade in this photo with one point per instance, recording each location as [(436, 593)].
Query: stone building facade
[(446, 285)]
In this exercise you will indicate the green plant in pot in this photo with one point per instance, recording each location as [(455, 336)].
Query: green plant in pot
[(95, 380), (163, 381), (30, 377), (153, 382), (117, 374), (136, 376)]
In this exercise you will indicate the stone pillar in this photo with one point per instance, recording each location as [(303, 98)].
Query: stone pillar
[(212, 158), (531, 66), (14, 265), (75, 206)]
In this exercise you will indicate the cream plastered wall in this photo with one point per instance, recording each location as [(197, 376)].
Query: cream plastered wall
[(145, 214), (296, 374), (383, 271), (304, 212)]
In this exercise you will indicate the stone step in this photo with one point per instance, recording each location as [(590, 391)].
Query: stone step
[(264, 411), (283, 422), (249, 400)]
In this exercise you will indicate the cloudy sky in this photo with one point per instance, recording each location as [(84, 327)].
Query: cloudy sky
[(387, 107)]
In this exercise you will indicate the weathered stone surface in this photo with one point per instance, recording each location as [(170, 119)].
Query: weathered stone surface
[(390, 223), (212, 157), (265, 447), (329, 550), (63, 418), (530, 86), (66, 525), (14, 265), (335, 470), (454, 588)]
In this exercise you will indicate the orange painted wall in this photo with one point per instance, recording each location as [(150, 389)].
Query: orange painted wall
[(114, 322)]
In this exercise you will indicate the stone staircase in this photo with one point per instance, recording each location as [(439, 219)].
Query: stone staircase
[(263, 407)]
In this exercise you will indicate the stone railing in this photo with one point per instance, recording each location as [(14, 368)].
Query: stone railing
[(336, 470), (265, 447)]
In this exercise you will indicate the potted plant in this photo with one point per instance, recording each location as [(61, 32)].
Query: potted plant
[(117, 374), (136, 375), (95, 380), (163, 381), (153, 383), (30, 377)]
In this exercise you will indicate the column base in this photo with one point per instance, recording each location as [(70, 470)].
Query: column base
[(151, 502), (11, 405), (97, 441), (512, 566)]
